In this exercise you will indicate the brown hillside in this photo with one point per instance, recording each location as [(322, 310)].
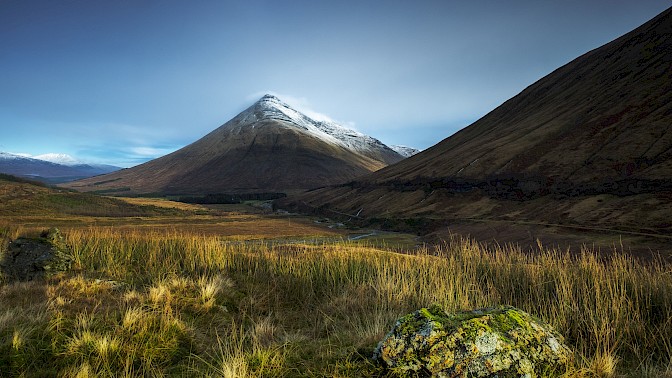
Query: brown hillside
[(604, 116), (589, 145)]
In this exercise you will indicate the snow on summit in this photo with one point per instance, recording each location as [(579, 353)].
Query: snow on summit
[(8, 156), (63, 159), (405, 151), (272, 107)]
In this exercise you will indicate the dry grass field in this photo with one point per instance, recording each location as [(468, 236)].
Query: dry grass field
[(231, 226), (185, 291)]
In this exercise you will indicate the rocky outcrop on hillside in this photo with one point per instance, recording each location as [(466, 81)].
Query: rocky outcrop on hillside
[(25, 259)]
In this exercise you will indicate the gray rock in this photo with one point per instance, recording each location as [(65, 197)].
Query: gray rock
[(497, 342), (26, 259)]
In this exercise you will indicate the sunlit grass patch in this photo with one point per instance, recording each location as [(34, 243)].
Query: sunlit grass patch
[(209, 287), (239, 354), (133, 331), (160, 202)]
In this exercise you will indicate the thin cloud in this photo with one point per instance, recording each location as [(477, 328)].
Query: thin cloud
[(152, 152), (22, 154)]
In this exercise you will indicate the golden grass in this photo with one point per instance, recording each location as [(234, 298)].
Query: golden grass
[(180, 304), (160, 202), (231, 226)]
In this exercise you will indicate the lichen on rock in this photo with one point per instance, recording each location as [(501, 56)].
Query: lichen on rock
[(496, 342), (29, 258)]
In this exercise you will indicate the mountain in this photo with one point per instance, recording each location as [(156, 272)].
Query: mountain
[(589, 145), (604, 116), (405, 151), (272, 107), (63, 159), (269, 147), (41, 169)]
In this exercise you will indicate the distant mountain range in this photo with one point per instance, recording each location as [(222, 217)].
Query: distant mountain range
[(269, 147), (588, 145), (50, 168), (63, 159)]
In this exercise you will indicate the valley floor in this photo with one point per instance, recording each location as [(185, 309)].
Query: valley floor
[(235, 291)]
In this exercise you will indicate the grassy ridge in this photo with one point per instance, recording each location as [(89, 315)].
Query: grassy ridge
[(181, 305), (20, 197)]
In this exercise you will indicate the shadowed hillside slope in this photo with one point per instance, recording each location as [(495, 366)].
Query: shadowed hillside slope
[(25, 199), (589, 144), (268, 147), (603, 116)]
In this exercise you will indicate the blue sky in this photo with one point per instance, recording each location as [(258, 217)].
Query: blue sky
[(122, 81)]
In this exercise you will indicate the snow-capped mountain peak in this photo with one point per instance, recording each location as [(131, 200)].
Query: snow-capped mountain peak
[(8, 156), (63, 159), (405, 151), (271, 107)]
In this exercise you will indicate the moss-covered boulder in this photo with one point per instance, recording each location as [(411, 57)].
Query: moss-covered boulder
[(25, 259), (496, 342)]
